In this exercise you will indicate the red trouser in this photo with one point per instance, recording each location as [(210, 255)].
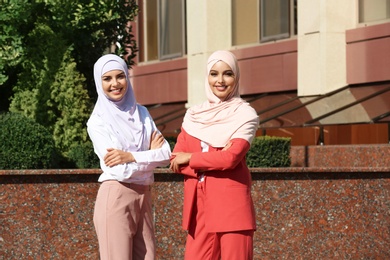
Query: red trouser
[(123, 221), (214, 246)]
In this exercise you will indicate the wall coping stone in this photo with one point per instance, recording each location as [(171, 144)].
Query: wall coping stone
[(166, 170)]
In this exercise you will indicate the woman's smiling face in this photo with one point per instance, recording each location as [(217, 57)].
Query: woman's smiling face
[(221, 80), (114, 84)]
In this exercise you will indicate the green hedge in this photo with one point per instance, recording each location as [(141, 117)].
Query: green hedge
[(25, 144), (267, 151)]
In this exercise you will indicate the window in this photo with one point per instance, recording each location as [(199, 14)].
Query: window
[(163, 33), (373, 10), (274, 19), (172, 28), (263, 20)]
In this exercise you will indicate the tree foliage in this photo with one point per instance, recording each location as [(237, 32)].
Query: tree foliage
[(11, 46), (68, 105), (48, 49)]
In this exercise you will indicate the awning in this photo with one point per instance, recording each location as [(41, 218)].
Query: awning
[(357, 104), (353, 104)]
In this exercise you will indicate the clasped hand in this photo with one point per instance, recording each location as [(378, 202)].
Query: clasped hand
[(181, 158), (114, 157)]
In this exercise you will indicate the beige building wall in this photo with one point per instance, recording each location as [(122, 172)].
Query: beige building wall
[(208, 29), (321, 44)]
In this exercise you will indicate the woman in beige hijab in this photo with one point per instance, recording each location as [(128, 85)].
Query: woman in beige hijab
[(210, 152)]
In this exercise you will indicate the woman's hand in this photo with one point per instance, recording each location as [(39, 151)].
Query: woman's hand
[(115, 157), (227, 146), (179, 159), (156, 141)]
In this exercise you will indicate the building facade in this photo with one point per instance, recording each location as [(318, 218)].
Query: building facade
[(315, 71)]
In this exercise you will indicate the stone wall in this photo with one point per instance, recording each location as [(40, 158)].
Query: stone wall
[(337, 212)]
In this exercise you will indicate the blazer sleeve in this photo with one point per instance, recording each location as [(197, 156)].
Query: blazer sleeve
[(182, 143), (217, 159)]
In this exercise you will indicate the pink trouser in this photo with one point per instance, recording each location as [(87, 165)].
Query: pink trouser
[(214, 246), (123, 221)]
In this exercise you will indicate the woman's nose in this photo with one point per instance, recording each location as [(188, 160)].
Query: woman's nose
[(220, 79), (114, 82)]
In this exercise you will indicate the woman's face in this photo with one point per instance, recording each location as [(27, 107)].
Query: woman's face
[(114, 84), (221, 80)]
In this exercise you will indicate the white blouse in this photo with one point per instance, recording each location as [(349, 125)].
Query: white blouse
[(139, 172), (205, 148)]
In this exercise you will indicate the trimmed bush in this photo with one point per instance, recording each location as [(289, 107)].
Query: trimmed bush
[(267, 151), (171, 140), (24, 144)]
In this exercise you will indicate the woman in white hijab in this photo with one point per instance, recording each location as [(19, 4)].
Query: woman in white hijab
[(129, 147), (210, 151)]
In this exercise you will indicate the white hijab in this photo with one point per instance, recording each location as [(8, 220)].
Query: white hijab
[(122, 116), (216, 122)]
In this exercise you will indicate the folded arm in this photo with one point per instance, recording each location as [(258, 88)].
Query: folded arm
[(224, 159)]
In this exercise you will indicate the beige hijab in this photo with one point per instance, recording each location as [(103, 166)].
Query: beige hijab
[(216, 122)]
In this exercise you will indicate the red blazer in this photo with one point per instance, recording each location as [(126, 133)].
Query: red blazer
[(227, 183)]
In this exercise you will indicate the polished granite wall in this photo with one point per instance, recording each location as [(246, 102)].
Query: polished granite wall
[(341, 156), (330, 211)]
